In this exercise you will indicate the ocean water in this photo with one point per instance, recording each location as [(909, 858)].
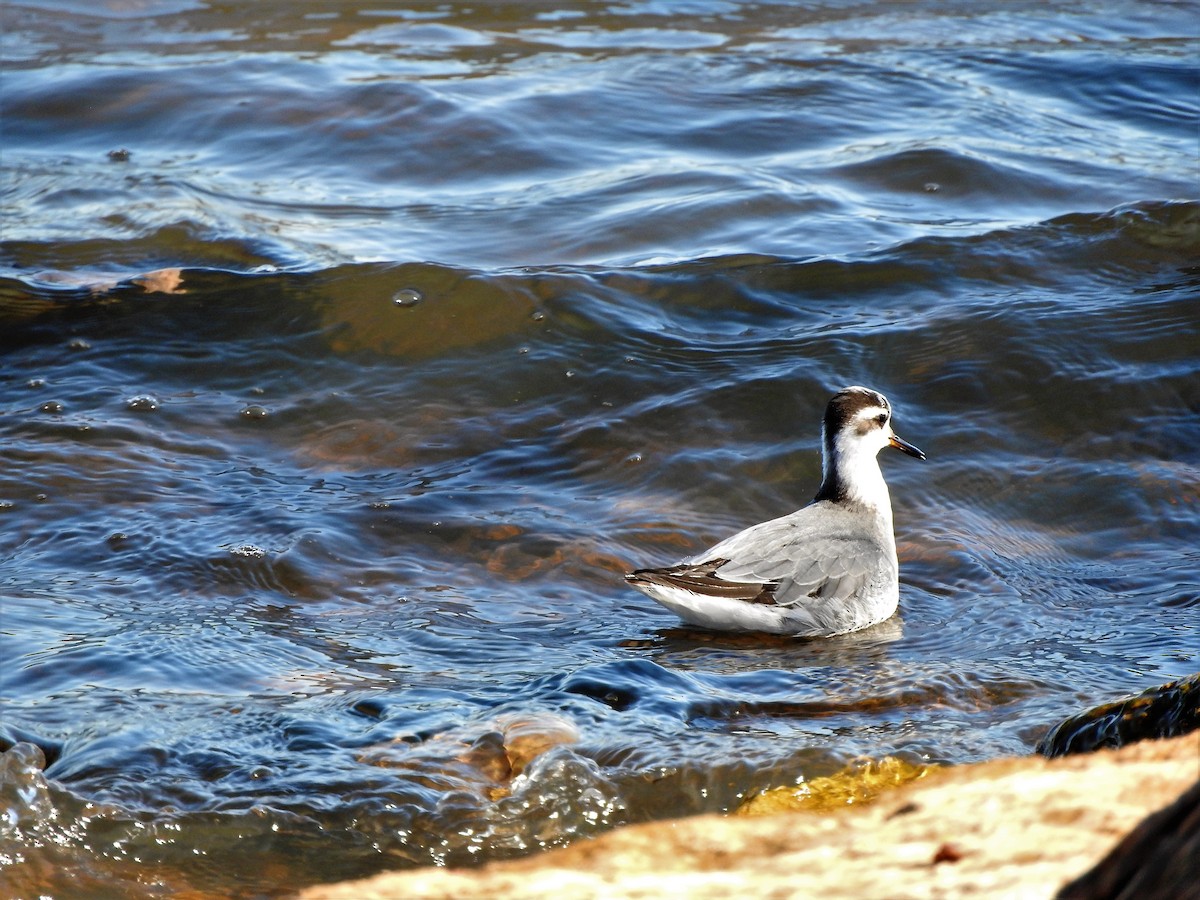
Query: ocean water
[(351, 352)]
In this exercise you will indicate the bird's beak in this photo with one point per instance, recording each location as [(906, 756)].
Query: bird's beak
[(905, 446)]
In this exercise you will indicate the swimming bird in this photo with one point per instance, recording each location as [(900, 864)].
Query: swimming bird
[(828, 568)]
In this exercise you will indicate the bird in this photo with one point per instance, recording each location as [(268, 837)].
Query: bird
[(828, 568)]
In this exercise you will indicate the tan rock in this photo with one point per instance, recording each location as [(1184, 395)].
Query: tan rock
[(1013, 828)]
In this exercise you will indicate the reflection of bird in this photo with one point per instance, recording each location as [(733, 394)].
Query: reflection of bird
[(827, 568)]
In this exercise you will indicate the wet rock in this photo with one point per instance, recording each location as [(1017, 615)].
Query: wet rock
[(1167, 711)]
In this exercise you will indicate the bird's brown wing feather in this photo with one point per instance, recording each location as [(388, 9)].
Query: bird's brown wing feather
[(701, 578)]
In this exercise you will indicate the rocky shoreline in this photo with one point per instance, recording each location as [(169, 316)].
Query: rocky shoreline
[(1008, 828)]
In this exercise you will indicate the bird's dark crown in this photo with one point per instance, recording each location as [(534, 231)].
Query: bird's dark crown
[(847, 403)]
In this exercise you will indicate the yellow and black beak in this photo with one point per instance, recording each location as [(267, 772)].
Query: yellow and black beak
[(905, 446)]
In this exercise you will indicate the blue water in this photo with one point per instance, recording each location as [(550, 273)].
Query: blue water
[(349, 354)]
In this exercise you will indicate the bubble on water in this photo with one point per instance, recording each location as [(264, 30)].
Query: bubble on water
[(537, 315), (119, 155), (142, 403), (407, 297), (254, 411), (52, 406), (249, 551), (78, 344), (932, 187), (35, 383)]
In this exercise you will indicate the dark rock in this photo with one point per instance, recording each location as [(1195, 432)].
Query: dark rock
[(1167, 711), (1158, 860)]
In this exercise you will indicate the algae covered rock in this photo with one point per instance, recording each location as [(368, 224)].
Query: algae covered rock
[(858, 783), (1167, 711)]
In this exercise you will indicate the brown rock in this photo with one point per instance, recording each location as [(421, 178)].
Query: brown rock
[(1015, 828)]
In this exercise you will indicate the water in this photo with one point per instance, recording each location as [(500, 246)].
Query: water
[(351, 352)]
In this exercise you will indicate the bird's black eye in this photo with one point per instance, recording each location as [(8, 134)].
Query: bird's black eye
[(881, 418)]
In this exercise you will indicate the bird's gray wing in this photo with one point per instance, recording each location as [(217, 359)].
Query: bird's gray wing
[(819, 555)]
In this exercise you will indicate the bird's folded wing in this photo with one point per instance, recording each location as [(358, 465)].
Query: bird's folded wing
[(830, 568)]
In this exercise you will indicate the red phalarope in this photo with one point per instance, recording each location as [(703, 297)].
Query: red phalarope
[(826, 569)]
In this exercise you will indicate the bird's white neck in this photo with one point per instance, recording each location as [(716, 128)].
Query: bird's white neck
[(850, 474)]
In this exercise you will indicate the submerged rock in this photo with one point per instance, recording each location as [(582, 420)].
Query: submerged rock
[(484, 761), (1167, 711), (858, 783)]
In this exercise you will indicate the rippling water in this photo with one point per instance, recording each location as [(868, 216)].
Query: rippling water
[(351, 352)]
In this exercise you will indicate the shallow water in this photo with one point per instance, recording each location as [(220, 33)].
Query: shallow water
[(311, 546)]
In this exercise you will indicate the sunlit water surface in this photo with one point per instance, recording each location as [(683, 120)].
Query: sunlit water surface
[(311, 550)]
